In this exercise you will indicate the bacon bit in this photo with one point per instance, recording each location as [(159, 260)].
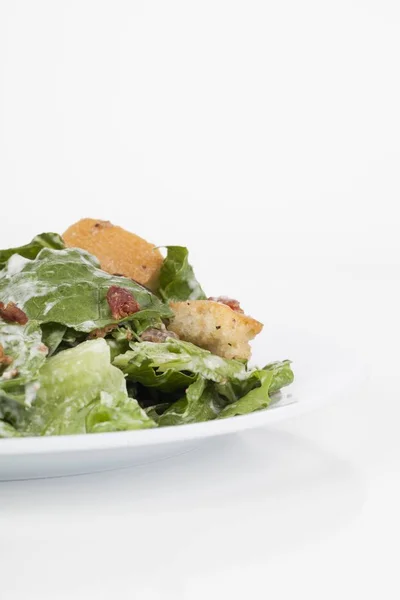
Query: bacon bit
[(157, 335), (12, 313), (233, 304), (43, 348), (4, 359), (101, 332), (121, 302)]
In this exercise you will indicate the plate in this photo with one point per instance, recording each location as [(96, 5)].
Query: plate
[(323, 372)]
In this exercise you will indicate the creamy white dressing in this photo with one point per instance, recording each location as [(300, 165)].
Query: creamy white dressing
[(106, 399), (31, 390), (49, 306), (25, 291), (213, 362), (88, 325), (15, 265), (243, 375), (194, 286)]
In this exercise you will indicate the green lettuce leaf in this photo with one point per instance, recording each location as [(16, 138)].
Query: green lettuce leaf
[(13, 411), (211, 386), (24, 344), (282, 375), (144, 370), (234, 389), (177, 279), (31, 250), (68, 287), (8, 431), (201, 403), (81, 392), (53, 335), (256, 399), (116, 412), (172, 365)]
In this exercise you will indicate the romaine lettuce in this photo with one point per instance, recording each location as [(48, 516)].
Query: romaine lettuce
[(23, 343), (200, 403), (8, 431), (174, 362), (68, 287), (31, 250), (81, 392), (177, 279), (254, 400)]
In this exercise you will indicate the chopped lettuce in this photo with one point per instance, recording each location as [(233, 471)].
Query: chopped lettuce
[(210, 386), (13, 411), (53, 335), (174, 358), (254, 400), (282, 375), (81, 392), (116, 412), (68, 287), (200, 403), (177, 279), (8, 431), (23, 344), (31, 250)]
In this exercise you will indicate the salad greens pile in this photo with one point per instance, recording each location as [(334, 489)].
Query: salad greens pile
[(70, 364)]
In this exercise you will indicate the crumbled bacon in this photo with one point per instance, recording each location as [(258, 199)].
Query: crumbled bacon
[(233, 304), (157, 335), (102, 331), (12, 313), (121, 302), (5, 360)]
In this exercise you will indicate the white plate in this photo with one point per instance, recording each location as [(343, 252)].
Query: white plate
[(323, 372)]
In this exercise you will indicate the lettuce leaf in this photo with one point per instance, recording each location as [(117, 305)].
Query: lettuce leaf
[(282, 375), (8, 431), (68, 287), (13, 412), (144, 373), (201, 403), (256, 399), (53, 335), (31, 250), (23, 343), (177, 279), (173, 364), (116, 412), (234, 389), (81, 392), (211, 386)]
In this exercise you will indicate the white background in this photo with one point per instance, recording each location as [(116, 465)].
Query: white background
[(265, 136)]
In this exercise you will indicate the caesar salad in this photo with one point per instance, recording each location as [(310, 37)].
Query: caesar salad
[(101, 331)]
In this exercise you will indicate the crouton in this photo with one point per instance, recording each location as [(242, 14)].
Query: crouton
[(119, 251), (215, 327)]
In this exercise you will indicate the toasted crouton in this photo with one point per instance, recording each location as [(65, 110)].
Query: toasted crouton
[(119, 251), (215, 327)]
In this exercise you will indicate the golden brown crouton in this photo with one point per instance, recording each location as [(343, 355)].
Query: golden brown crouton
[(214, 326), (119, 251)]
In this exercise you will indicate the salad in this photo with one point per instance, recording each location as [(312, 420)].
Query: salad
[(99, 332)]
